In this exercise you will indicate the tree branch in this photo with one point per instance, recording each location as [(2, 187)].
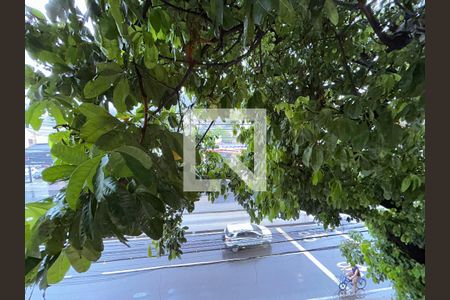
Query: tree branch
[(258, 38), (345, 63), (147, 5), (145, 98), (175, 90), (204, 134), (200, 14), (412, 251), (393, 42), (349, 5)]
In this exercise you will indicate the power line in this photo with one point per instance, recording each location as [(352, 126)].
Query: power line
[(223, 247), (276, 234)]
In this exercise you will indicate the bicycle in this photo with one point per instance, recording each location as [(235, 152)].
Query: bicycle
[(344, 281)]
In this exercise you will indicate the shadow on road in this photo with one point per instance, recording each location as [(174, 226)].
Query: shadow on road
[(246, 253), (350, 295)]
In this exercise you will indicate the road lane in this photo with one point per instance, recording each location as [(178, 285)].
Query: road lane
[(280, 273)]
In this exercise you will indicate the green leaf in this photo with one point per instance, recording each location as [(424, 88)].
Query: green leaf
[(35, 210), (35, 12), (307, 155), (260, 10), (117, 15), (78, 179), (151, 56), (90, 251), (32, 265), (138, 154), (118, 166), (55, 111), (353, 109), (78, 261), (317, 177), (152, 227), (50, 57), (287, 12), (103, 186), (55, 243), (34, 113), (316, 158), (58, 269), (59, 172), (142, 174), (109, 68), (73, 155), (405, 184), (249, 26), (93, 111), (360, 135), (121, 91), (113, 139), (331, 11), (171, 198), (217, 12), (99, 85), (99, 122)]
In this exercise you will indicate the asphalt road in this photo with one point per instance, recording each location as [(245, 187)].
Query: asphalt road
[(302, 262)]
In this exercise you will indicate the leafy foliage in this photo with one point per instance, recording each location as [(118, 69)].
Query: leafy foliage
[(342, 84)]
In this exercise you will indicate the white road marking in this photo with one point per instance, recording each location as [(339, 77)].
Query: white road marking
[(218, 261), (365, 293), (202, 263), (345, 236), (309, 255)]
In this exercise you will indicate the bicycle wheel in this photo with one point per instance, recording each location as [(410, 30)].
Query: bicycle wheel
[(361, 283), (342, 286)]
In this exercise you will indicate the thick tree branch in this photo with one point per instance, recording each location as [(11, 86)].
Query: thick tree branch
[(412, 251), (393, 42)]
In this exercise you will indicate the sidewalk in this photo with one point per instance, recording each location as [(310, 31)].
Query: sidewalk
[(220, 205), (211, 217), (217, 221)]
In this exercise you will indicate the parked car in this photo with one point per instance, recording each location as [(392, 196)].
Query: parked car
[(242, 235)]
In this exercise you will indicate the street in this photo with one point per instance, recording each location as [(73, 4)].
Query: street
[(303, 262)]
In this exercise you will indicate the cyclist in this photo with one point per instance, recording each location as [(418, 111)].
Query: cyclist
[(354, 276)]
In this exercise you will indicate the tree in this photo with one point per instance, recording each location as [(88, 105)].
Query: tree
[(342, 83)]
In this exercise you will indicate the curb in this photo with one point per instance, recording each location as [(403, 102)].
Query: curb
[(214, 211), (268, 226)]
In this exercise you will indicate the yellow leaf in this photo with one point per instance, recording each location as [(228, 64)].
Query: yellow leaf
[(176, 156)]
